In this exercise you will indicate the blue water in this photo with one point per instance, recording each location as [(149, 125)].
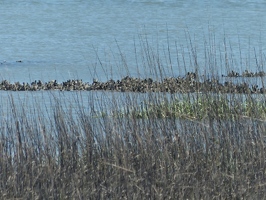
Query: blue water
[(86, 39)]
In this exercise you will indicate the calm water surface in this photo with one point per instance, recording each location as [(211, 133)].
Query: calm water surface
[(85, 39)]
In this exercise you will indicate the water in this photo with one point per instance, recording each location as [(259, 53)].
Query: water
[(86, 39), (66, 39)]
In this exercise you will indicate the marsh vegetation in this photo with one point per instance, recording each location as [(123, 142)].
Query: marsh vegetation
[(185, 145)]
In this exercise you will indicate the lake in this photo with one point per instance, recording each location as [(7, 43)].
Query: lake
[(96, 39)]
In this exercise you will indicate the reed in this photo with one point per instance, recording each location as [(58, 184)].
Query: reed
[(134, 146)]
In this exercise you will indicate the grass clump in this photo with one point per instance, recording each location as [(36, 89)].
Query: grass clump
[(201, 107)]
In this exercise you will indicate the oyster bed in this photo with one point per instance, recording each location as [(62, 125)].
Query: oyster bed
[(186, 84)]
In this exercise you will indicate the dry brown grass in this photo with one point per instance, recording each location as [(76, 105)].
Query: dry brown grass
[(75, 155)]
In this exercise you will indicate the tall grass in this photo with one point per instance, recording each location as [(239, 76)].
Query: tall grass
[(134, 146)]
